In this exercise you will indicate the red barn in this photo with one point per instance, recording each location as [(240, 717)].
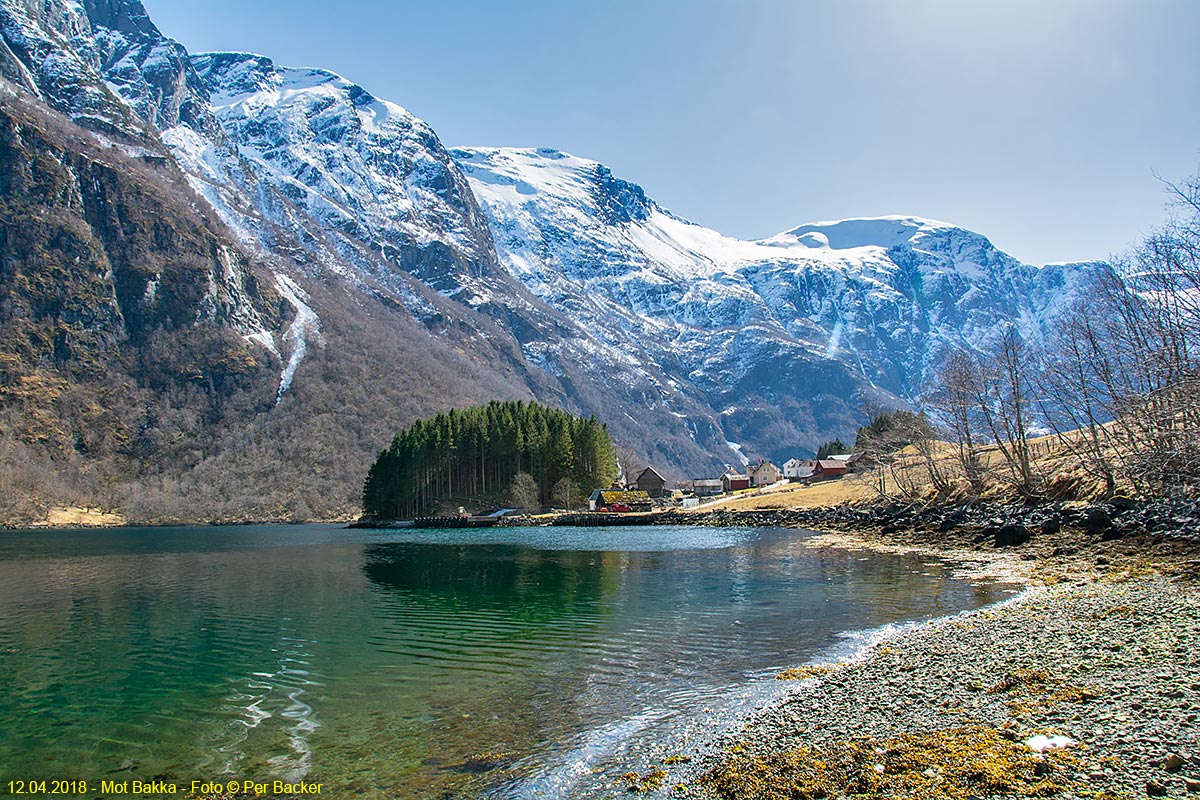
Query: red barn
[(733, 481), (828, 468)]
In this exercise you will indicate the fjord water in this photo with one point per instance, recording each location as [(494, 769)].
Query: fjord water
[(509, 662)]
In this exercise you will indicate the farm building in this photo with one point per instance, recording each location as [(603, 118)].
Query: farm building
[(851, 460), (828, 468), (733, 481), (707, 487), (796, 470), (650, 482)]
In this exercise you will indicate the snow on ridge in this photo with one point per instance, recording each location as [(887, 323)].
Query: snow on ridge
[(856, 232), (520, 184), (357, 165), (525, 182), (236, 78), (879, 293)]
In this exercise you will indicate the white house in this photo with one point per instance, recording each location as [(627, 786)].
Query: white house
[(795, 469)]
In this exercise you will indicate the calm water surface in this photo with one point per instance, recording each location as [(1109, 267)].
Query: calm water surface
[(389, 662)]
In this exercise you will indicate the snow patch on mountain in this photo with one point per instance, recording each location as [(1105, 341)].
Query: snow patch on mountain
[(53, 54), (610, 300), (305, 327), (850, 234)]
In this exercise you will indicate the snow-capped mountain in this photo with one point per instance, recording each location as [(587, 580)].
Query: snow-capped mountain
[(883, 296), (377, 201), (386, 277), (369, 173)]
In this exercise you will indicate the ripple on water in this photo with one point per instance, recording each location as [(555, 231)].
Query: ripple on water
[(385, 664), (267, 711)]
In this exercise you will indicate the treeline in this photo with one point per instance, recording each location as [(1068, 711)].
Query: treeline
[(1115, 385), (516, 452)]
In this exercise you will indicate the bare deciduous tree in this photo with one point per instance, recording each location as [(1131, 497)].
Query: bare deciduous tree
[(627, 463), (563, 493), (956, 402), (523, 493), (1007, 411)]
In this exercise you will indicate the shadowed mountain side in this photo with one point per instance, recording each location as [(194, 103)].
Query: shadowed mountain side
[(124, 311)]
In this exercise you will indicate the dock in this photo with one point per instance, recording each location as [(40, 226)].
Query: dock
[(455, 522)]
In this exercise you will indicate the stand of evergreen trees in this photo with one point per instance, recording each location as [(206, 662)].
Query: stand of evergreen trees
[(480, 454)]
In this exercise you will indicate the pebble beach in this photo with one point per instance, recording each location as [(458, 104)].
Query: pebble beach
[(1100, 656)]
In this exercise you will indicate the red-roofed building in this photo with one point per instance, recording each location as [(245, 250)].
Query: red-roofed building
[(828, 468), (733, 481)]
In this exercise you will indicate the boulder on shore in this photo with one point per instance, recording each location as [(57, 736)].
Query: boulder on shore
[(1011, 535)]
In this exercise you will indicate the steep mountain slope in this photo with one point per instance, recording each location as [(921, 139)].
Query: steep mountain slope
[(669, 292), (126, 314), (53, 51), (146, 349), (366, 170), (398, 219)]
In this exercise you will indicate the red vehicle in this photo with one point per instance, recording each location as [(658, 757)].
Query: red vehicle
[(621, 507)]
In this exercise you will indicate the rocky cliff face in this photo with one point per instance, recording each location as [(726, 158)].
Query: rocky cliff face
[(365, 171), (380, 295), (83, 59), (126, 315), (349, 273)]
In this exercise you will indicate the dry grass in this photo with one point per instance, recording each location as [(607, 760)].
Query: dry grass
[(1059, 469), (959, 763), (826, 493)]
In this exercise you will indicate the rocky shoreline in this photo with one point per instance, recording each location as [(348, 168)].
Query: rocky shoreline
[(1102, 650), (1006, 523), (1112, 666), (1064, 539)]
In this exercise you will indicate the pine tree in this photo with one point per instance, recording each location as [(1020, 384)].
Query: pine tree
[(474, 456)]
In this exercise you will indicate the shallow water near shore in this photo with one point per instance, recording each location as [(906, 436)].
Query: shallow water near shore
[(507, 662)]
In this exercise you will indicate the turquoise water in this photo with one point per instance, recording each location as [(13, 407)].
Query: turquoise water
[(512, 663)]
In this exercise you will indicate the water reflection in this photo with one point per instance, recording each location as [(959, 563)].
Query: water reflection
[(162, 662), (534, 583), (385, 664)]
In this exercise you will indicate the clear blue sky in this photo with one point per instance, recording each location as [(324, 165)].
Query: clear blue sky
[(1040, 124)]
